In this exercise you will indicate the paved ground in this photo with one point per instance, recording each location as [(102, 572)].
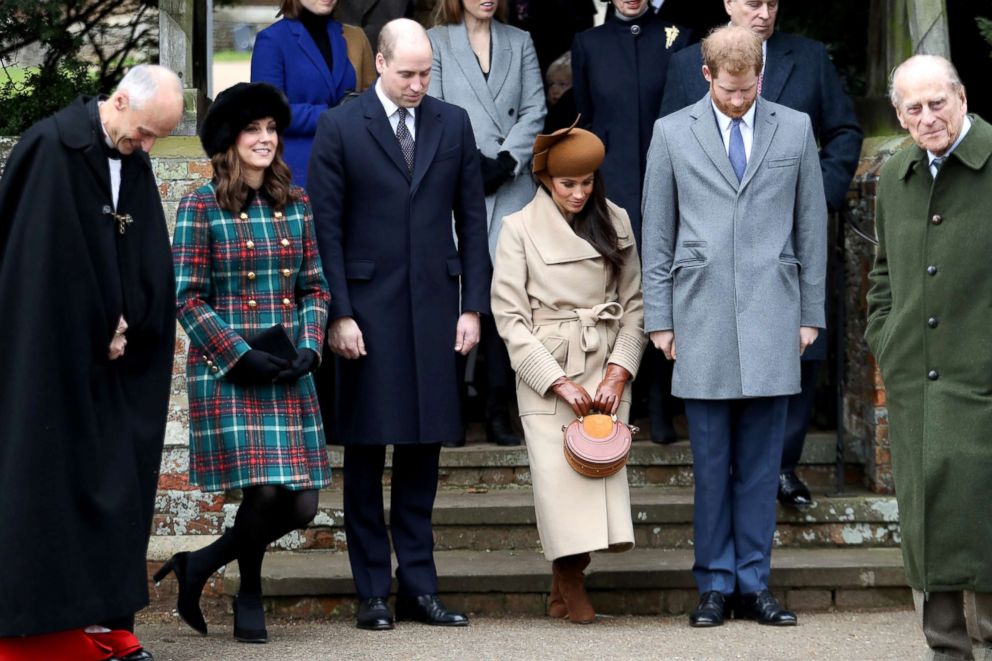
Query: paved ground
[(836, 636)]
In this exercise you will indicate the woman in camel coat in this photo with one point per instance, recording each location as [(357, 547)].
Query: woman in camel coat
[(567, 301)]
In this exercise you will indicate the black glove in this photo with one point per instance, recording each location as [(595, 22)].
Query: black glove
[(496, 171), (304, 363), (256, 367)]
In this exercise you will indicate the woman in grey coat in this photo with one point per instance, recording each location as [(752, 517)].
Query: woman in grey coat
[(490, 69)]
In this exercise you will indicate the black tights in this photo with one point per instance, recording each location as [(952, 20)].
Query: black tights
[(266, 513)]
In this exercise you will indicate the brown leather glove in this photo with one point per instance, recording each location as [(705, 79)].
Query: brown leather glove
[(611, 389), (573, 394)]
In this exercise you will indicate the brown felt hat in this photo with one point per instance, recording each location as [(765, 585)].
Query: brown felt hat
[(568, 152)]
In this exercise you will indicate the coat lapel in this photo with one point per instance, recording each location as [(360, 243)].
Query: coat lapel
[(777, 69), (378, 125), (765, 125), (467, 62), (554, 239), (707, 132), (499, 66), (309, 48), (429, 129)]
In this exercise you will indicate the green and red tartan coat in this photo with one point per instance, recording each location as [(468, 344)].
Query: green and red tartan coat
[(237, 275)]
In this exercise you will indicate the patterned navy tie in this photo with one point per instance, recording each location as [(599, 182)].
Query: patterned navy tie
[(406, 140), (935, 165), (738, 160)]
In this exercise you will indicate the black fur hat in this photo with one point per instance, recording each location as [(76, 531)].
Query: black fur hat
[(237, 107)]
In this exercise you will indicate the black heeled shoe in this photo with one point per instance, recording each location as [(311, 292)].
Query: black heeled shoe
[(188, 602), (249, 619)]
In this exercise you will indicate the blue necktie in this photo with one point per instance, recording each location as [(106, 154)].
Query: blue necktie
[(738, 160)]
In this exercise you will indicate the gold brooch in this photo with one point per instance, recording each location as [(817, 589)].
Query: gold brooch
[(671, 34), (122, 219)]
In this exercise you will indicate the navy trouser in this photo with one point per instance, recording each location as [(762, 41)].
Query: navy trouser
[(736, 450), (797, 420), (413, 487)]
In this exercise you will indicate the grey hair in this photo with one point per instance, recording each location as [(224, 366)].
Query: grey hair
[(144, 81), (941, 63)]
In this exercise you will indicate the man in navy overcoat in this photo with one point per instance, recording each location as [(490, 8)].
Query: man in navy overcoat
[(798, 74), (387, 174)]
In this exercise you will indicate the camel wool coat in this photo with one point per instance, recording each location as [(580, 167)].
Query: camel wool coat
[(561, 315)]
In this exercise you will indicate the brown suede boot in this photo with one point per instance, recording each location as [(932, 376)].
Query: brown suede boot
[(572, 584), (556, 605)]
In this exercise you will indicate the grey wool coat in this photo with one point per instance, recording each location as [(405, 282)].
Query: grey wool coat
[(734, 268), (929, 315), (507, 110)]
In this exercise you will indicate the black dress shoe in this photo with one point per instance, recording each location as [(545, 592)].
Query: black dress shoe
[(249, 619), (711, 610), (763, 607), (499, 430), (188, 601), (374, 615), (140, 655), (453, 444), (427, 608), (792, 492)]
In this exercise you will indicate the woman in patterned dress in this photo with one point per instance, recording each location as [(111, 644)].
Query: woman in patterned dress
[(246, 259)]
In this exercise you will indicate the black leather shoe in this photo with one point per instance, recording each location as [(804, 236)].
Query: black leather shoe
[(792, 492), (711, 610), (499, 430), (763, 607), (140, 655), (249, 619), (453, 444), (374, 615), (427, 608)]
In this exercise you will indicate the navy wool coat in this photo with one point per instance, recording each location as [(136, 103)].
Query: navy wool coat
[(236, 276), (618, 78), (393, 264)]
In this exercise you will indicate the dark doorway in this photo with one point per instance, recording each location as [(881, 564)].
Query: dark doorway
[(970, 52)]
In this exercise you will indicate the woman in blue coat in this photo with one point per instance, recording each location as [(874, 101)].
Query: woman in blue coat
[(247, 263), (316, 61), (490, 69)]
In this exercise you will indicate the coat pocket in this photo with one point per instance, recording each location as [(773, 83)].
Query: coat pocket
[(359, 269), (783, 162), (448, 153), (689, 254)]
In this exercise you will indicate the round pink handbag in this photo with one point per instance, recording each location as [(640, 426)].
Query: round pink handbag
[(597, 445)]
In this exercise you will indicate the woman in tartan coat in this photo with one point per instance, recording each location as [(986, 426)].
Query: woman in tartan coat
[(246, 259)]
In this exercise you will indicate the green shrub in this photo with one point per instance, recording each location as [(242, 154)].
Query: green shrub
[(42, 93)]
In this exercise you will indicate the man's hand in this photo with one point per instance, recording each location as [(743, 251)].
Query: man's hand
[(467, 332), (344, 338), (119, 341), (664, 341), (807, 336)]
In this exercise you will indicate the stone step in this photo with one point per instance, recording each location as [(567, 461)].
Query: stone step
[(503, 519), (640, 582), (488, 465)]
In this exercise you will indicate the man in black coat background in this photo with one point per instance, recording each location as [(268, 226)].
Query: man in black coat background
[(88, 299), (798, 74), (387, 173)]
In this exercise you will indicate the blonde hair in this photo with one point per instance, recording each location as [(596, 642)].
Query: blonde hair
[(733, 49)]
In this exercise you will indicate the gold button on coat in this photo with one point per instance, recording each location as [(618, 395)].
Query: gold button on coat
[(284, 242), (214, 369), (250, 245), (243, 216), (252, 303), (251, 275), (286, 273), (278, 214), (287, 302)]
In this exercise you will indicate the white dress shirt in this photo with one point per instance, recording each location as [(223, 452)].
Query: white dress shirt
[(965, 127), (747, 128), (391, 111)]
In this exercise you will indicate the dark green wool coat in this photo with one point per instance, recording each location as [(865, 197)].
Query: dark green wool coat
[(930, 328)]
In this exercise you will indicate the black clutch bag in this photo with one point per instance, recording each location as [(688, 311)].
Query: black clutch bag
[(276, 341)]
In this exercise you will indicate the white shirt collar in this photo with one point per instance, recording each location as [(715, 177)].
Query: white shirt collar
[(724, 120), (387, 103), (965, 127)]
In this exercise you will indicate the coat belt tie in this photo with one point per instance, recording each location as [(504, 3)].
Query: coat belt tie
[(583, 337)]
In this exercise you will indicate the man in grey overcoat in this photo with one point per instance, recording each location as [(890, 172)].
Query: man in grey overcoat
[(734, 254), (928, 321)]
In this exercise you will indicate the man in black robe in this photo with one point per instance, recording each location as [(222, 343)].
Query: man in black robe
[(86, 348)]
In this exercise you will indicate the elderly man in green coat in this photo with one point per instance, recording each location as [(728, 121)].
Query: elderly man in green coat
[(930, 311)]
